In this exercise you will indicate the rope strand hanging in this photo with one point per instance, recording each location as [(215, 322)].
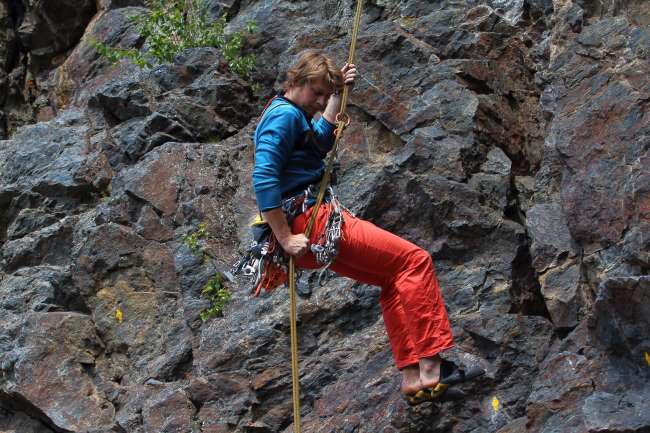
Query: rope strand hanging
[(342, 119)]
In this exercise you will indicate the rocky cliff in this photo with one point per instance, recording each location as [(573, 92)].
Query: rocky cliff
[(509, 138)]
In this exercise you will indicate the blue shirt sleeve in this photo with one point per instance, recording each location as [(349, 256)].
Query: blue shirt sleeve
[(324, 132), (275, 137)]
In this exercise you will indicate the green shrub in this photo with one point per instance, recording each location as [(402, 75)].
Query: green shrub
[(171, 26), (193, 241), (218, 294), (214, 290)]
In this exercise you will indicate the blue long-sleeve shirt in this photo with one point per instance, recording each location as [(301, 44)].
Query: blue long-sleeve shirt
[(289, 152)]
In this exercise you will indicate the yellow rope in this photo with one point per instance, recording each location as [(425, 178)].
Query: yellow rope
[(341, 123)]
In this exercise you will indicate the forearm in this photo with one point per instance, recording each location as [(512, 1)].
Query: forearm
[(332, 108), (278, 222)]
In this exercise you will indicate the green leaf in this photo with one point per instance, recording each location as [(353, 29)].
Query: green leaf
[(171, 26)]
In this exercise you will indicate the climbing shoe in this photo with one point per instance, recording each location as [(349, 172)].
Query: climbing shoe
[(450, 374)]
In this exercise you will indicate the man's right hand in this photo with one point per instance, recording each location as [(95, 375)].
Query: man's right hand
[(295, 245)]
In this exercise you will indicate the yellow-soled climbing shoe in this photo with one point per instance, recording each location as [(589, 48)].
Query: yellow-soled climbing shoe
[(450, 374)]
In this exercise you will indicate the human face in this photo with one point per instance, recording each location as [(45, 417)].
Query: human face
[(311, 97)]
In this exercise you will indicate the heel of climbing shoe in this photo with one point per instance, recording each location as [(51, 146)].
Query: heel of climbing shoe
[(451, 374), (440, 393)]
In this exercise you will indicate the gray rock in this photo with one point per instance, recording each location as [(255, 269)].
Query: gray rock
[(116, 4), (620, 317), (18, 421), (129, 416), (551, 239), (84, 70), (431, 150), (7, 38), (190, 99), (604, 411), (525, 188), (28, 221), (510, 11), (561, 290), (492, 188), (136, 137), (49, 246), (53, 160), (36, 289), (48, 30), (497, 163)]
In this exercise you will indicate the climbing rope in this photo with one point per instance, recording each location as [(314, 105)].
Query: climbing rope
[(342, 120)]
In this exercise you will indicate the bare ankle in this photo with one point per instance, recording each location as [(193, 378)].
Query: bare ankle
[(430, 370), (429, 364), (411, 372)]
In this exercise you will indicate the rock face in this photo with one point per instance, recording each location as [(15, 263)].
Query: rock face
[(509, 138)]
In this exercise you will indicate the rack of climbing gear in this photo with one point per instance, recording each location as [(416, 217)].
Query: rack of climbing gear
[(265, 264)]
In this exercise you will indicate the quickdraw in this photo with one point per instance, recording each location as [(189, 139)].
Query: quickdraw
[(327, 247)]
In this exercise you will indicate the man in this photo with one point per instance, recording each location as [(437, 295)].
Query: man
[(289, 150)]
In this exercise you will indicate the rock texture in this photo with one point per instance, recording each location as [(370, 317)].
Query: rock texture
[(509, 138)]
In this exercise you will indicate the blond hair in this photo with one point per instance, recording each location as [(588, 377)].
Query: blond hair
[(314, 67)]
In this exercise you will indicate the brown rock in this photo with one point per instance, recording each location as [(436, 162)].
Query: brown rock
[(149, 226), (170, 411), (54, 372)]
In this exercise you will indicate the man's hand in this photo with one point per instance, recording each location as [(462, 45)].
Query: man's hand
[(295, 245), (349, 72)]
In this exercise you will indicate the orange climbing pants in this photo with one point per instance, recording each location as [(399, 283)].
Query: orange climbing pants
[(414, 312)]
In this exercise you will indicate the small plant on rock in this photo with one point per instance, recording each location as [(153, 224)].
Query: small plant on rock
[(215, 289), (218, 294), (193, 241), (171, 26)]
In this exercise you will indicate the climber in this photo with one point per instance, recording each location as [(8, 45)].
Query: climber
[(290, 144)]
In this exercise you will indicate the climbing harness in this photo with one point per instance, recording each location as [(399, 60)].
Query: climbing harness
[(265, 263)]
